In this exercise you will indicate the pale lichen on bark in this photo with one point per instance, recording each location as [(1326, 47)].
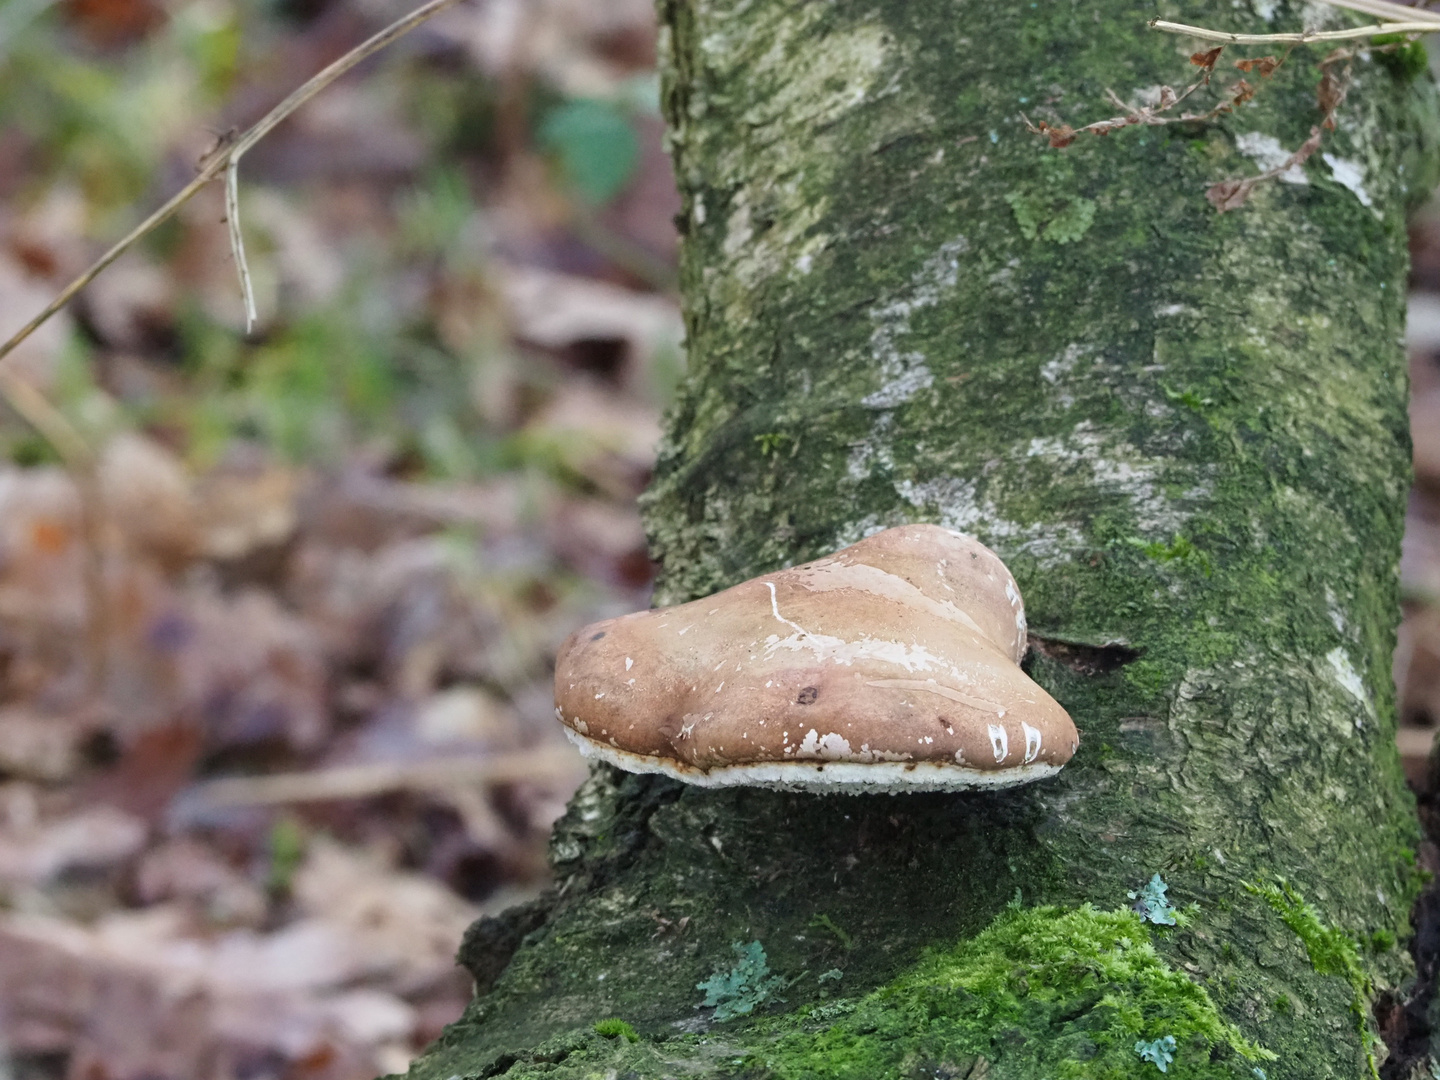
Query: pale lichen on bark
[(1183, 431)]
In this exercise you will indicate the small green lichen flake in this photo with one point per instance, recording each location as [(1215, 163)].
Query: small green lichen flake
[(747, 985), (1060, 221), (1152, 904), (1159, 1052), (1045, 992)]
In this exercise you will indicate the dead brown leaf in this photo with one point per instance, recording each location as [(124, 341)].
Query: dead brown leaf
[(1260, 65), (40, 746), (1229, 194), (1060, 137), (95, 838), (1330, 93), (149, 500)]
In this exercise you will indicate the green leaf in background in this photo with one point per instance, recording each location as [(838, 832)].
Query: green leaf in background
[(596, 147)]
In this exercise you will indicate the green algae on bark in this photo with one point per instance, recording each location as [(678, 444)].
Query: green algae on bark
[(1185, 433), (1040, 992), (1331, 951)]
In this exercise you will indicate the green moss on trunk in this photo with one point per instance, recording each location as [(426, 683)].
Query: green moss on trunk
[(1185, 432)]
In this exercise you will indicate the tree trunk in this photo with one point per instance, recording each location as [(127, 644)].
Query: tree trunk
[(1185, 433)]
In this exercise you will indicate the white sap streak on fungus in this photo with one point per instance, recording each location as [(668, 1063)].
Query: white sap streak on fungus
[(999, 741), (831, 747), (629, 663), (912, 658), (1032, 742), (775, 608), (826, 647)]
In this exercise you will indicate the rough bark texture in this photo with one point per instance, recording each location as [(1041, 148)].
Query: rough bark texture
[(1184, 432)]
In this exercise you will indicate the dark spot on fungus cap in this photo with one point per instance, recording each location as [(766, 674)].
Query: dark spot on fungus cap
[(892, 665)]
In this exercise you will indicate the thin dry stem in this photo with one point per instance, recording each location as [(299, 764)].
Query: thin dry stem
[(1063, 135), (1297, 39), (1402, 20), (1232, 194), (1384, 9), (237, 240), (35, 409)]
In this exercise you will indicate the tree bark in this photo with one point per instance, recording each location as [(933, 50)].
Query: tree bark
[(1185, 433)]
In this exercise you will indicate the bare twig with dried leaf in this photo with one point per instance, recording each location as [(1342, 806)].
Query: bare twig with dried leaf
[(1232, 194), (1330, 94), (1063, 135)]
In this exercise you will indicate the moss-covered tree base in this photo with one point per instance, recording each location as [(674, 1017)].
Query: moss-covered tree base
[(1040, 992)]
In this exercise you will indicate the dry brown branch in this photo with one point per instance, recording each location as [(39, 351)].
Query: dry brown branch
[(1303, 38), (226, 154), (1232, 194), (1384, 9), (31, 405)]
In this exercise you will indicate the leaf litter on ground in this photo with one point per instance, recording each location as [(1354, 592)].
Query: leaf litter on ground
[(250, 801)]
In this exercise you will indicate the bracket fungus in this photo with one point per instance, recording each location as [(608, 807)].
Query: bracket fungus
[(891, 665)]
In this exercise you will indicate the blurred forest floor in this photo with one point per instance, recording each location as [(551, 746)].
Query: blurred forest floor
[(339, 551), (248, 807)]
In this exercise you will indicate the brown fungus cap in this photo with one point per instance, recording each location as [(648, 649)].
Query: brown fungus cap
[(892, 665)]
